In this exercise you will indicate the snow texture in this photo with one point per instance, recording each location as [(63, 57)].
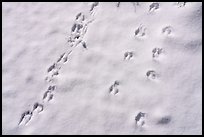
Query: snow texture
[(102, 68)]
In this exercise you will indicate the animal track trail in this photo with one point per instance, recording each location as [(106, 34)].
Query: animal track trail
[(114, 88), (80, 26), (78, 31)]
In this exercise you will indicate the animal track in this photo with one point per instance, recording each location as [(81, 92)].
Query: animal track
[(94, 4), (181, 4), (164, 120), (47, 96), (151, 74), (65, 59), (167, 30), (51, 67), (113, 88), (37, 107), (156, 52), (140, 31), (60, 58), (25, 118), (80, 17), (154, 6), (140, 119), (27, 115), (78, 30), (84, 45), (128, 55)]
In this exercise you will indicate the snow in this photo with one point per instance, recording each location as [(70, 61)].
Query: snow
[(121, 61)]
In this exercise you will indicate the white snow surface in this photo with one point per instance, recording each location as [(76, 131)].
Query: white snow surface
[(114, 50)]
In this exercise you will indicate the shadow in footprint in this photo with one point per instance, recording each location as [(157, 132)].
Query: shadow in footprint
[(164, 120)]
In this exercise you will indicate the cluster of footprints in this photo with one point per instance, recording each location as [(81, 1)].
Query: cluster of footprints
[(140, 33), (78, 30)]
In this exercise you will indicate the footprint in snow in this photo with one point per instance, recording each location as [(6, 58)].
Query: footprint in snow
[(167, 30), (151, 74), (37, 107), (114, 88), (156, 52), (154, 6), (140, 31), (140, 119), (128, 55), (25, 118)]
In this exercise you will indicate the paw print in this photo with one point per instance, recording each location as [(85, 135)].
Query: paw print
[(167, 30), (156, 52), (154, 6), (140, 119), (140, 31), (114, 88), (128, 55), (151, 74)]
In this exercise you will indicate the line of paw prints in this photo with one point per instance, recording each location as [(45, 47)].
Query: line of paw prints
[(37, 107), (80, 26), (78, 31), (140, 32)]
